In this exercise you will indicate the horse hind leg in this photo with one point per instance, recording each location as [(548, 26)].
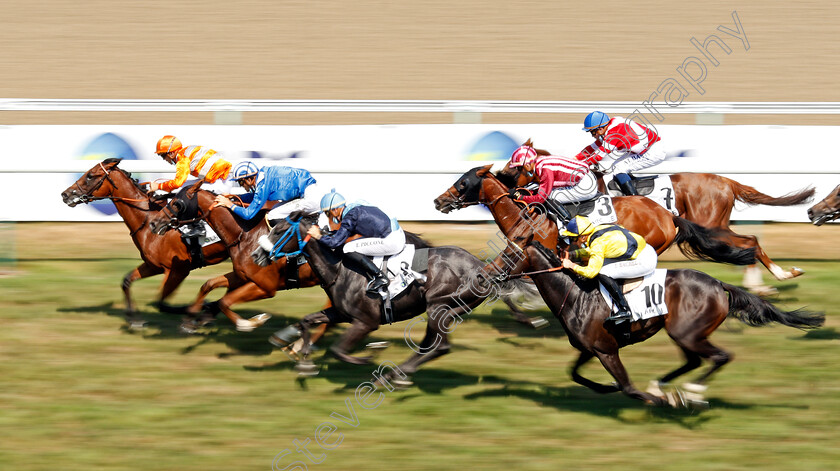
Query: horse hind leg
[(172, 279)]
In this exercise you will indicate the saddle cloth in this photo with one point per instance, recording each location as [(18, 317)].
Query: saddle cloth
[(209, 236), (599, 210), (647, 299), (659, 188), (400, 270)]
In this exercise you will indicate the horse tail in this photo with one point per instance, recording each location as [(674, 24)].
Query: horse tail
[(698, 242), (749, 195), (752, 310)]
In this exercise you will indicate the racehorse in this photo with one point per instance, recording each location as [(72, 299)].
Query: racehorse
[(641, 215), (455, 284), (708, 200), (697, 305), (828, 209), (248, 281), (168, 255)]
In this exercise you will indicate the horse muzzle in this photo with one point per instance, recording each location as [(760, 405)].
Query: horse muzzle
[(72, 198)]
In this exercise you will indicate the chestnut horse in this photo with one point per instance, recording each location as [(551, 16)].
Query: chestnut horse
[(708, 199), (168, 255), (248, 281), (697, 305), (828, 209), (641, 215)]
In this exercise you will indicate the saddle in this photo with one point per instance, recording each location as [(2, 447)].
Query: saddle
[(644, 185), (629, 284)]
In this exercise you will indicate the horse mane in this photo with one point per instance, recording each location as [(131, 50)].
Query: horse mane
[(417, 241), (507, 179)]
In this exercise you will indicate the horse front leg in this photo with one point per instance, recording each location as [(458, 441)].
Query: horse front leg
[(599, 388), (172, 279), (208, 311), (247, 292), (143, 270), (357, 331), (613, 365)]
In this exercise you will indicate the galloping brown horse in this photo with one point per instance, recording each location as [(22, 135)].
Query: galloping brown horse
[(168, 255), (697, 305), (828, 209), (248, 281), (659, 227)]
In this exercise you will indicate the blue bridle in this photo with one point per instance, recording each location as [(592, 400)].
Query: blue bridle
[(293, 230)]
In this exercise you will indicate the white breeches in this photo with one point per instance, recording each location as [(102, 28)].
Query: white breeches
[(391, 244), (586, 189), (634, 162), (310, 203), (642, 265)]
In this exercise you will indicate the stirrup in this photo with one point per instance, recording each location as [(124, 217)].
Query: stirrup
[(621, 315), (377, 285)]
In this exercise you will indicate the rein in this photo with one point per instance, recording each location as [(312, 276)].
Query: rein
[(293, 230)]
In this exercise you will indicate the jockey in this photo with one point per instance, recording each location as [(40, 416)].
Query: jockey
[(381, 235), (562, 180), (614, 252), (197, 161), (285, 189), (630, 145)]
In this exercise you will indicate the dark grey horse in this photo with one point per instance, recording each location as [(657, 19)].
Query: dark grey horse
[(456, 283), (697, 305)]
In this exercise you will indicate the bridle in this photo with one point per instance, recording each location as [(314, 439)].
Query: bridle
[(292, 231), (85, 196)]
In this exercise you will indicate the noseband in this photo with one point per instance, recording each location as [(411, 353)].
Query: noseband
[(86, 197)]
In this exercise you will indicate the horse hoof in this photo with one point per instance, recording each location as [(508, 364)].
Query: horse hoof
[(402, 384), (285, 336), (764, 291), (248, 325), (136, 324), (307, 368), (378, 345), (539, 323), (655, 389), (796, 271), (187, 328)]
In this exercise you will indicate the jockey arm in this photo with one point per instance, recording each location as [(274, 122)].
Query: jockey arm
[(593, 267), (182, 172), (546, 186), (348, 225), (257, 202)]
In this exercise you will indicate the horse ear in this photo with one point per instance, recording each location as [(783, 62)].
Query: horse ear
[(194, 189), (112, 160)]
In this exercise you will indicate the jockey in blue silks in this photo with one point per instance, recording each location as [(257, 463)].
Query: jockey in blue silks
[(381, 235), (293, 189)]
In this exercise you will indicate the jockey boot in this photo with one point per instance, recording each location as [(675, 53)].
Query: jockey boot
[(624, 312), (625, 182), (378, 280), (559, 210)]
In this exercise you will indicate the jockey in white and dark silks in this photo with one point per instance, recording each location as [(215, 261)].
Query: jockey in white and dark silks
[(613, 252), (562, 179), (381, 235), (629, 145), (288, 189)]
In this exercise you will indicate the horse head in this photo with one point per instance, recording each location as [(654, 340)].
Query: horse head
[(465, 192), (180, 210), (287, 237), (95, 184), (826, 210)]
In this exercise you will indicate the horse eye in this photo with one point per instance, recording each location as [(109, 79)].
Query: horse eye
[(89, 176)]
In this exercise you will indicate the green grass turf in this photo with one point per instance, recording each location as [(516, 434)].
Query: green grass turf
[(80, 392)]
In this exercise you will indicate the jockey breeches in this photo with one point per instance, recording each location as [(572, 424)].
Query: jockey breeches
[(635, 162), (642, 265), (585, 189), (310, 203), (391, 244)]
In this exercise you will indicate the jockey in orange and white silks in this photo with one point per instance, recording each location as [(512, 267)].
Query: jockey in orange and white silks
[(627, 145), (198, 161), (561, 179)]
